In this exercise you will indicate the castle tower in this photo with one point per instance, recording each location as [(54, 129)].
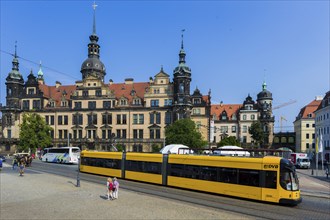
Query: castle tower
[(93, 65), (182, 78), (264, 102), (14, 84)]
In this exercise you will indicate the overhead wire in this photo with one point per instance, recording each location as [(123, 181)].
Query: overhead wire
[(45, 67)]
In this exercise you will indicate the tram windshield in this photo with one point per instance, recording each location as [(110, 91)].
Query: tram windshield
[(288, 177)]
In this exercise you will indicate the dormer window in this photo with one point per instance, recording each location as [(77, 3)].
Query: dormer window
[(197, 101), (52, 104), (30, 91), (137, 102), (64, 103), (234, 117), (224, 115), (123, 102)]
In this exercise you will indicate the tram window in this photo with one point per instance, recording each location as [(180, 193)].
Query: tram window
[(142, 166), (133, 165), (192, 171), (228, 175), (114, 164), (152, 167), (100, 162), (270, 179), (248, 177), (209, 173), (176, 170)]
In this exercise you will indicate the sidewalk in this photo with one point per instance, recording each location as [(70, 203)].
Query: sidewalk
[(44, 196), (314, 185)]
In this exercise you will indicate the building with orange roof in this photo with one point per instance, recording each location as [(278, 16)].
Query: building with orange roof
[(236, 119), (304, 126), (94, 114)]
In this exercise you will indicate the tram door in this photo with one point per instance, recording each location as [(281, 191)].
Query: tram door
[(270, 190)]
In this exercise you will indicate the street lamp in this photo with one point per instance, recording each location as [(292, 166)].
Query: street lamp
[(78, 173)]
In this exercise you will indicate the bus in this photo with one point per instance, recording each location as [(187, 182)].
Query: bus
[(269, 179), (61, 155)]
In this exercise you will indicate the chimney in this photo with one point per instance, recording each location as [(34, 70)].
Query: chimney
[(129, 81), (57, 84), (318, 98)]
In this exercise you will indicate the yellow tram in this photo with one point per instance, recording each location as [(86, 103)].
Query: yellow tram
[(271, 179)]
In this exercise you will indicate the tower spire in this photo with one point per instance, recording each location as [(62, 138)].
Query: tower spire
[(182, 38), (15, 49), (15, 60), (40, 73), (182, 54), (94, 23)]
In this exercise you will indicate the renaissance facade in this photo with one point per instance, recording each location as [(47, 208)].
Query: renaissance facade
[(96, 115), (236, 119)]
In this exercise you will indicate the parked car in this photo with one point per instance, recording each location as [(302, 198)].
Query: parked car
[(3, 158)]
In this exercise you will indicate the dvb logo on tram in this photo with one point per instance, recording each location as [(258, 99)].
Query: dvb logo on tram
[(270, 166)]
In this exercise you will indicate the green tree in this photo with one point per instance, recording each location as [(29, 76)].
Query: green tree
[(155, 148), (184, 132), (34, 132), (229, 141), (257, 133)]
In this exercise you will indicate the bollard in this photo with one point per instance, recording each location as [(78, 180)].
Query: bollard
[(312, 172)]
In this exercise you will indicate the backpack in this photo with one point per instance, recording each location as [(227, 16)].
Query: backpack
[(110, 186)]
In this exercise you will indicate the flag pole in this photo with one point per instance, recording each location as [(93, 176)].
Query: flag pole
[(317, 155), (321, 150)]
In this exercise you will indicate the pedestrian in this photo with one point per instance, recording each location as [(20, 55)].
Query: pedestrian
[(15, 163), (115, 188), (109, 188), (21, 167), (0, 164)]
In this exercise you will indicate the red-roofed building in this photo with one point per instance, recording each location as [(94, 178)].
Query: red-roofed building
[(93, 114), (304, 126), (236, 119)]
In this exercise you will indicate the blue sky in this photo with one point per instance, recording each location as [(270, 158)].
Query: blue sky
[(231, 46)]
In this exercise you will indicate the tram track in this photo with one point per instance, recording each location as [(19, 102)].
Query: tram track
[(246, 208)]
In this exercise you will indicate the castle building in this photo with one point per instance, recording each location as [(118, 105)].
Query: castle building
[(236, 119), (94, 114)]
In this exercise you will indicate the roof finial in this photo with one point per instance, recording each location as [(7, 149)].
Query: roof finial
[(94, 26), (264, 85), (182, 38), (16, 49), (40, 73), (161, 68)]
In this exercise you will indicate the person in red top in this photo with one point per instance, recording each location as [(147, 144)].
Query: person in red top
[(109, 188)]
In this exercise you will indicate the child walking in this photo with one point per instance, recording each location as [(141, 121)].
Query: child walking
[(109, 188)]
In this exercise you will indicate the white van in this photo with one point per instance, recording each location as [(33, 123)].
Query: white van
[(303, 163)]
